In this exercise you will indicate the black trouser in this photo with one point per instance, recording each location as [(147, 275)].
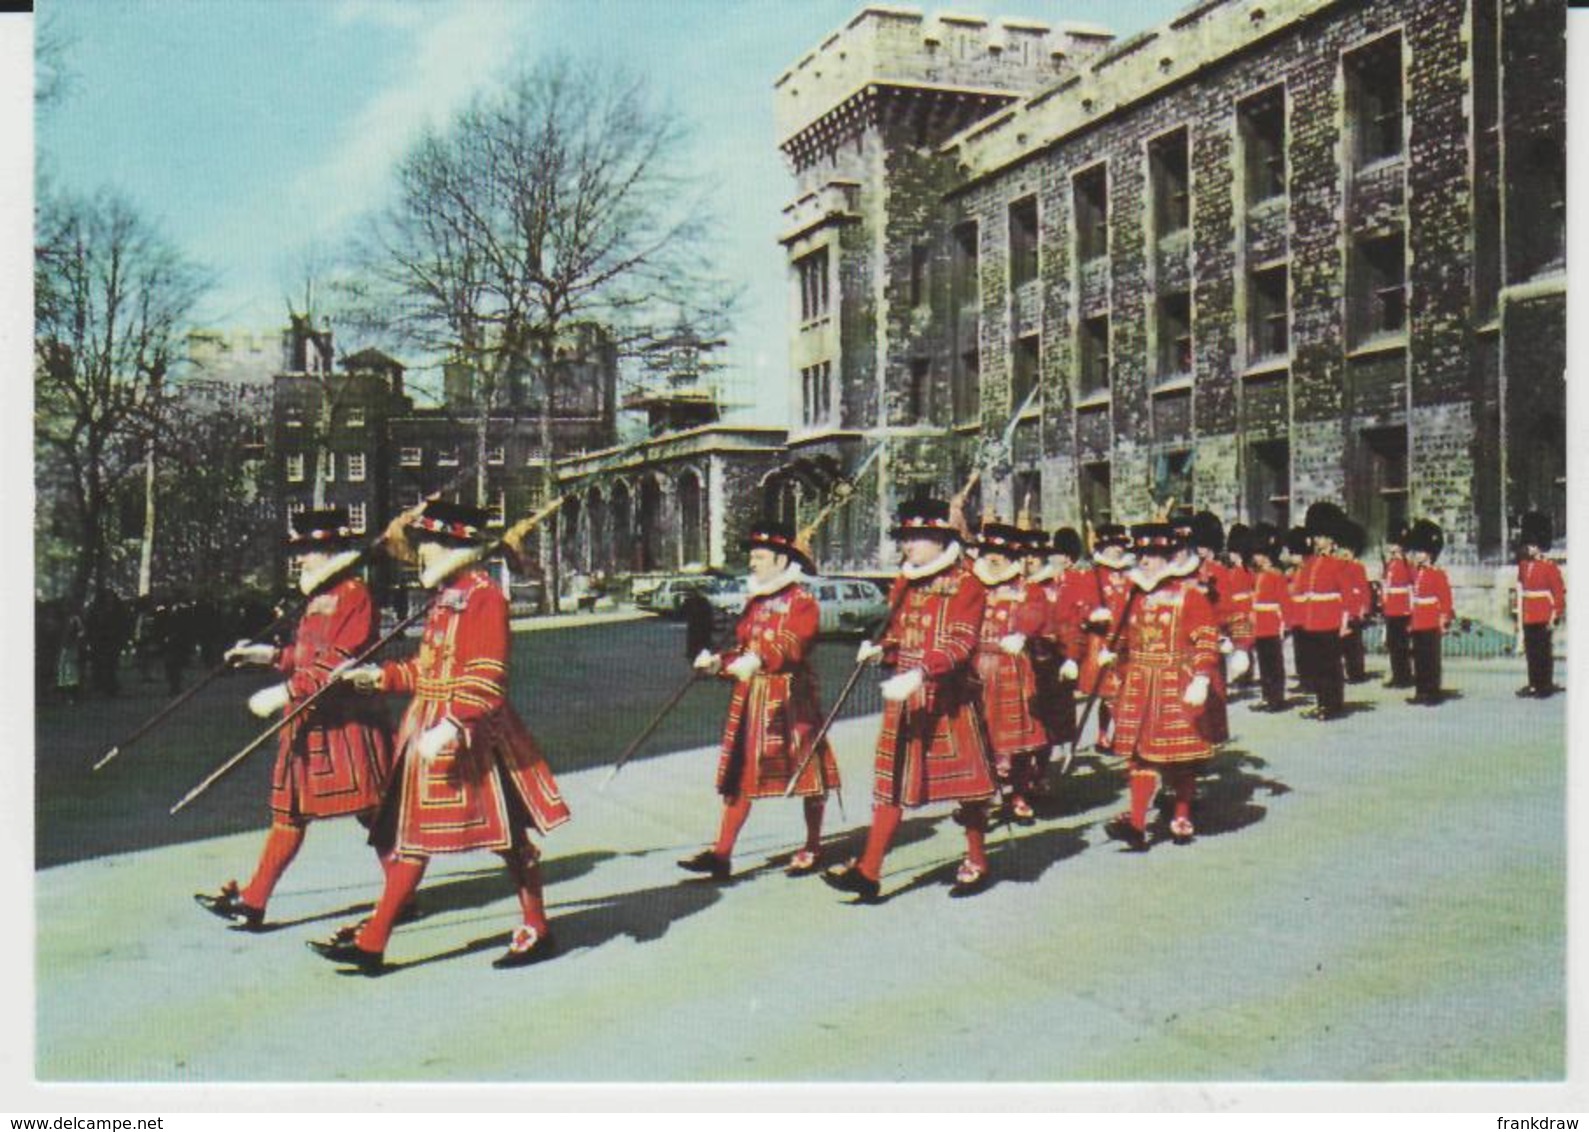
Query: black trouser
[(1271, 670), (1400, 649), (1352, 656), (1426, 663), (1302, 645), (1324, 654), (1541, 661)]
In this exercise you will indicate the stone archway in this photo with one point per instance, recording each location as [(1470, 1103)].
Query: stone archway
[(650, 524), (692, 518), (624, 558), (596, 536)]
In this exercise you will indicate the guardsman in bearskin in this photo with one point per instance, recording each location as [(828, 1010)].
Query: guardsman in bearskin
[(1395, 601), (1014, 616), (1318, 592), (1271, 601), (1110, 590), (931, 748), (335, 759), (1064, 636), (1243, 580), (1359, 601), (1542, 601), (1233, 617), (775, 708), (469, 774), (1431, 610), (1168, 661)]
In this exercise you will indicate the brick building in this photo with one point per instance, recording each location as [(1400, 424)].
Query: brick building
[(1271, 252)]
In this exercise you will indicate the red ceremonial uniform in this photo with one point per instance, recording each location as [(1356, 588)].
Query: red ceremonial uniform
[(1357, 598), (1271, 605), (1111, 590), (773, 715), (1170, 639), (336, 757), (1243, 583), (483, 790), (1431, 600), (1395, 595), (1064, 637), (1230, 596), (1009, 683), (1318, 592), (931, 747), (1542, 594)]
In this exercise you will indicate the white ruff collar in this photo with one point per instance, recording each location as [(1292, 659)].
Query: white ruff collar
[(1148, 582), (985, 572), (1113, 558), (1051, 571), (772, 585), (950, 555), (446, 565), (311, 580)]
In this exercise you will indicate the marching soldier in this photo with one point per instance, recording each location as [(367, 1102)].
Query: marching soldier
[(1014, 615), (931, 747), (1395, 600), (1063, 637), (775, 707), (1359, 601), (1109, 592), (1168, 661), (1232, 616), (1431, 610), (1542, 601), (1238, 559), (1270, 616), (1318, 590), (469, 774), (335, 759)]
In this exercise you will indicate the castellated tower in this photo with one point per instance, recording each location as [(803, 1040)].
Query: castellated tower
[(873, 282)]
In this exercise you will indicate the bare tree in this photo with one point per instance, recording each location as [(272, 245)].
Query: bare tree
[(111, 299), (563, 197)]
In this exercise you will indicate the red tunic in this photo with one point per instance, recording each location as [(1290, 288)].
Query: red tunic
[(336, 757), (773, 715), (1542, 594), (1112, 590), (1171, 638), (1318, 591), (1358, 598), (931, 747), (1242, 583), (481, 792), (1009, 683), (1431, 599), (1230, 594), (1062, 637), (1271, 602), (1395, 594)]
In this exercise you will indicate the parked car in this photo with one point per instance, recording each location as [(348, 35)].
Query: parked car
[(664, 599), (727, 597), (850, 606)]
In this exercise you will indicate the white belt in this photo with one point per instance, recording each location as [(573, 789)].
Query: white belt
[(1539, 593), (1264, 606)]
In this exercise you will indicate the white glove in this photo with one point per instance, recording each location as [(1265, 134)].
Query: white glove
[(1196, 692), (901, 687), (1069, 671), (366, 677), (1240, 663), (1100, 615), (746, 666), (246, 652), (1013, 643), (268, 701), (1226, 646), (435, 739), (868, 652), (1105, 658), (707, 661)]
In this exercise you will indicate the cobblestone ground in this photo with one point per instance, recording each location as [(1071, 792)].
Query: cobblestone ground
[(1382, 899)]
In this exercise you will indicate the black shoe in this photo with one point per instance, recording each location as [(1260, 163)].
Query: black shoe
[(706, 862), (228, 905), (850, 878), (1529, 692), (1121, 829), (970, 880), (527, 946), (1398, 683), (1323, 715), (365, 962), (1182, 831), (1548, 691)]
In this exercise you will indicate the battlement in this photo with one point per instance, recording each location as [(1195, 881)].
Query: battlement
[(903, 47)]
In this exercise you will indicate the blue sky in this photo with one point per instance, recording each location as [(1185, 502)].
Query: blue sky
[(256, 131)]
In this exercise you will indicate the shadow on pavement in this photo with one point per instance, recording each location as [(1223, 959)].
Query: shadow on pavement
[(1225, 795)]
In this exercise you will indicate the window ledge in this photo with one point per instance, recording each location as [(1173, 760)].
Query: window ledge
[(1098, 400), (1388, 344), (1174, 383), (1380, 165), (966, 427), (1266, 367)]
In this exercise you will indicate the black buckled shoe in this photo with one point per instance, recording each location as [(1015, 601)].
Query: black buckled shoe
[(1182, 832), (228, 905), (527, 946), (708, 863), (364, 962), (970, 879), (849, 878), (1120, 829), (802, 864)]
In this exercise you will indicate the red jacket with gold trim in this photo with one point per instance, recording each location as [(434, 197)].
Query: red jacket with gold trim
[(1170, 639), (1541, 592), (1431, 600)]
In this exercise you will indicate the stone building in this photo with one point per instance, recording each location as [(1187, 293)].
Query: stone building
[(1272, 252)]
